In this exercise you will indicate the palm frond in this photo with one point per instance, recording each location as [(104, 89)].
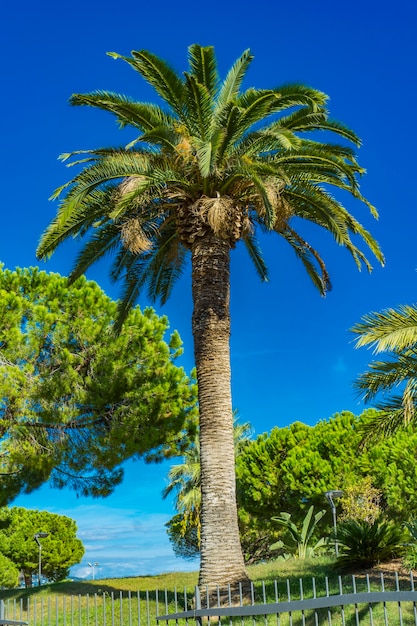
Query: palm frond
[(157, 73), (391, 329), (342, 130), (157, 270), (255, 254), (270, 210), (255, 105), (384, 376), (310, 258), (297, 94), (389, 419), (312, 154), (230, 87), (160, 136), (264, 143), (204, 156), (302, 120), (198, 103), (78, 222), (125, 200), (230, 125), (144, 116), (203, 66), (315, 204), (103, 242), (167, 263), (307, 120)]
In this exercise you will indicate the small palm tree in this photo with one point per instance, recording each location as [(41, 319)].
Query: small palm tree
[(185, 480), (205, 170), (364, 544), (391, 382), (300, 544)]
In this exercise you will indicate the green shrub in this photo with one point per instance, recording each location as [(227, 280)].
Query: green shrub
[(410, 558), (411, 526), (363, 544), (300, 543), (9, 573)]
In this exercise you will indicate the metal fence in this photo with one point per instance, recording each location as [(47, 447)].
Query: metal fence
[(347, 601)]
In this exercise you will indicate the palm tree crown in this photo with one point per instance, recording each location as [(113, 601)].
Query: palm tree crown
[(215, 159), (207, 168)]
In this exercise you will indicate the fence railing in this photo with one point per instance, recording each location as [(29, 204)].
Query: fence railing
[(347, 606), (347, 601), (4, 621)]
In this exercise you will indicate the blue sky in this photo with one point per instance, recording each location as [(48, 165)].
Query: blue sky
[(292, 354)]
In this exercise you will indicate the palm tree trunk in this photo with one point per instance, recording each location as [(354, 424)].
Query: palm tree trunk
[(221, 553)]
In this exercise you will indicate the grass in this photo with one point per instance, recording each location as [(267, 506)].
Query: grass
[(267, 572), (126, 601)]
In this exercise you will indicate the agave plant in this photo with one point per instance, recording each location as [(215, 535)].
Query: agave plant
[(299, 545)]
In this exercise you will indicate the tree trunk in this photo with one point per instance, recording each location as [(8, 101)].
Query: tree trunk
[(221, 553)]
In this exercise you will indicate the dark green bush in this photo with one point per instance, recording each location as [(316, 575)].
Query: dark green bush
[(363, 544)]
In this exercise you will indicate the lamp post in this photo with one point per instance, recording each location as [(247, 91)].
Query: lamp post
[(36, 537), (93, 565), (330, 495)]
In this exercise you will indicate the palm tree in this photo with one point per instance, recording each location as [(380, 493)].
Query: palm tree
[(393, 381), (204, 170), (365, 544), (184, 479)]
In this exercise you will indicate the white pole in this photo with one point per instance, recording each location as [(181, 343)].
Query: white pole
[(40, 564)]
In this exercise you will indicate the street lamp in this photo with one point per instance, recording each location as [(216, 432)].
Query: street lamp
[(330, 495), (93, 565), (36, 537)]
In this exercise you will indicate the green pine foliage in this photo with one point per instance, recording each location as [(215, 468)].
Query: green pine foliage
[(9, 573), (60, 549), (77, 400), (291, 468)]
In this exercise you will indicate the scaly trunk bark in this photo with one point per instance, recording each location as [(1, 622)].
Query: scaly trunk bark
[(221, 553)]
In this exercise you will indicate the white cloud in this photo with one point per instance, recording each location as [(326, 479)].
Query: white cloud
[(125, 533), (125, 542)]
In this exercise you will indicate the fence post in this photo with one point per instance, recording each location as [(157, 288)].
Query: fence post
[(197, 598), (197, 605)]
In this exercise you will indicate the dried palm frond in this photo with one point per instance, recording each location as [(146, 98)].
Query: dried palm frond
[(283, 213), (184, 148), (282, 209), (217, 212), (130, 184), (133, 237), (247, 226)]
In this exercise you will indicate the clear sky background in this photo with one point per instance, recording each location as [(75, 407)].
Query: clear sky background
[(292, 354)]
